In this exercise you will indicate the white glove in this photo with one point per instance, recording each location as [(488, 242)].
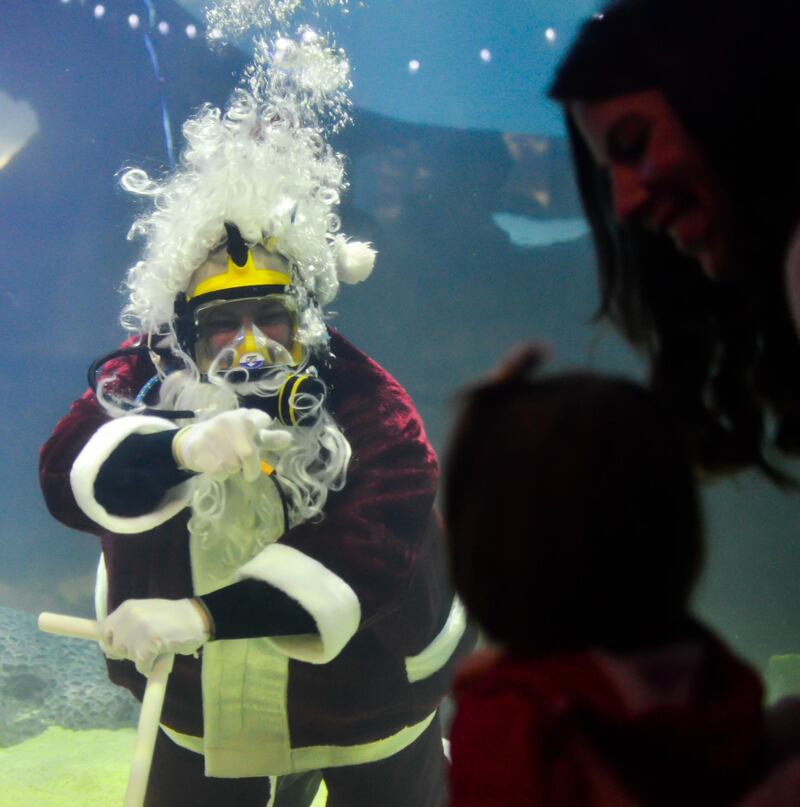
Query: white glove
[(228, 443), (141, 630)]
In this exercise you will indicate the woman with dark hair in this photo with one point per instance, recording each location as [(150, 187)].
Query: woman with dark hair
[(686, 140), (575, 539)]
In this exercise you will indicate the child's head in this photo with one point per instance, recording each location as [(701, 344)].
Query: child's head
[(573, 516)]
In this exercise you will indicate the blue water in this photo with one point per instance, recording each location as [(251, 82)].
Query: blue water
[(460, 177)]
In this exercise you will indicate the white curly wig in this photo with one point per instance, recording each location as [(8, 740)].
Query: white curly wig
[(263, 165)]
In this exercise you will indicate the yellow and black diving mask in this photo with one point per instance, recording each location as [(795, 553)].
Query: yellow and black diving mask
[(241, 313)]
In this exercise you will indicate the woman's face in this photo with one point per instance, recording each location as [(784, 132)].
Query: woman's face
[(659, 177)]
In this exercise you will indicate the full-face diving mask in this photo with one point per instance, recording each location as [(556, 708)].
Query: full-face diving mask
[(250, 334), (237, 316)]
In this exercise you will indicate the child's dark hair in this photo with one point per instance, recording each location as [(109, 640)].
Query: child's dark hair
[(572, 511)]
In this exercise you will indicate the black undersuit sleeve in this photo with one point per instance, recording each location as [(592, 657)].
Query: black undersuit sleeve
[(132, 482), (137, 474), (252, 608)]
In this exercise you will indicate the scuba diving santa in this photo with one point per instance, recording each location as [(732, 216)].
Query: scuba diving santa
[(263, 491)]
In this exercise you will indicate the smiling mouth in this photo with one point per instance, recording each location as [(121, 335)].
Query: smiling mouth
[(690, 235), (664, 220), (684, 224)]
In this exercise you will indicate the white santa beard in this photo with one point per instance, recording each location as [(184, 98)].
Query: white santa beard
[(234, 519)]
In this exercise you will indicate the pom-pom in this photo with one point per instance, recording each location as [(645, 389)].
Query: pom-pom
[(354, 259)]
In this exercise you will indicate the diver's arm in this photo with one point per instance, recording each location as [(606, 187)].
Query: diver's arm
[(73, 433), (141, 630), (89, 465), (133, 480), (252, 608), (137, 474)]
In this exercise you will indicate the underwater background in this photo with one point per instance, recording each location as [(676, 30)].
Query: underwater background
[(460, 177)]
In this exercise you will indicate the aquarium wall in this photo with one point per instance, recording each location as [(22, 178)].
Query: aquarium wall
[(460, 177)]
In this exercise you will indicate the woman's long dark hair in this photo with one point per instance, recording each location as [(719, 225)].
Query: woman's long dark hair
[(724, 355)]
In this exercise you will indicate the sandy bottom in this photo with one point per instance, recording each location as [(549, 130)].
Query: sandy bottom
[(63, 768), (67, 768)]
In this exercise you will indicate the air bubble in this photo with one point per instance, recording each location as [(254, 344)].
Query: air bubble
[(328, 196)]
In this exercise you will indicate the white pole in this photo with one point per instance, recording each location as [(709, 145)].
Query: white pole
[(152, 702), (147, 730), (69, 626)]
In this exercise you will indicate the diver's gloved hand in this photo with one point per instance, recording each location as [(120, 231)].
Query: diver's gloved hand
[(141, 630), (228, 443)]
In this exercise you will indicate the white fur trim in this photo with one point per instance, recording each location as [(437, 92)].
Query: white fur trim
[(88, 463), (331, 602), (354, 259), (437, 653), (248, 760)]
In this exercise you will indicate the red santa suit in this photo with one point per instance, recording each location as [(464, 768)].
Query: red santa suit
[(370, 573)]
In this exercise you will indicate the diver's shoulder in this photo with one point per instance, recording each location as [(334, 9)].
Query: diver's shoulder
[(348, 360), (351, 371)]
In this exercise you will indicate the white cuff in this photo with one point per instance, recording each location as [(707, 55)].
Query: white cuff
[(88, 463), (331, 602)]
